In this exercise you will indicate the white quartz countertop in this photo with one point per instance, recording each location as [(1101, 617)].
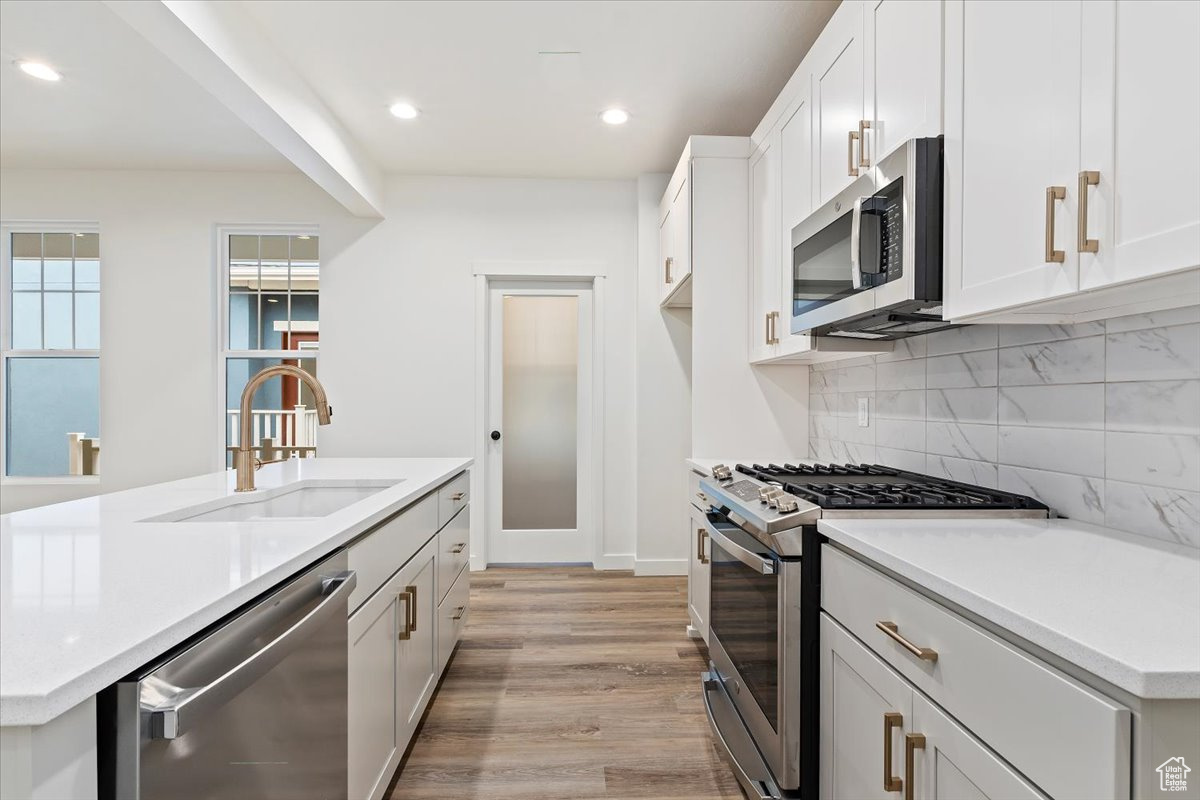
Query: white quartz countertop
[(90, 592), (1121, 607)]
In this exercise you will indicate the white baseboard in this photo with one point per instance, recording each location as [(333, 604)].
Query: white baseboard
[(661, 566), (615, 561)]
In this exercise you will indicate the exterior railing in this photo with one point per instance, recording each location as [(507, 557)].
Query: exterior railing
[(295, 428)]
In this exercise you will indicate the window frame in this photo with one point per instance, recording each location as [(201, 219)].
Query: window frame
[(7, 353), (223, 352)]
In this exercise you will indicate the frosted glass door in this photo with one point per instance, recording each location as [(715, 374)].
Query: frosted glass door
[(540, 399)]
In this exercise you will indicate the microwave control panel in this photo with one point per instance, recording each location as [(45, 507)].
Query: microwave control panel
[(882, 236)]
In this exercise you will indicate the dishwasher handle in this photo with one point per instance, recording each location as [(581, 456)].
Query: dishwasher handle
[(169, 719)]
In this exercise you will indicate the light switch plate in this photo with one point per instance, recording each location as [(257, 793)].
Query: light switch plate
[(864, 406)]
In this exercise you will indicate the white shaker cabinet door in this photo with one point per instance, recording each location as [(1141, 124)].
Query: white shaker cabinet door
[(699, 575), (865, 710), (666, 253), (375, 725), (903, 45), (837, 67), (1140, 128), (951, 764), (764, 250), (1012, 150), (418, 652)]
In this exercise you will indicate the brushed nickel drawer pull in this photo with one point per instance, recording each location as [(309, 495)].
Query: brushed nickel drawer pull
[(893, 632), (1089, 177), (912, 743), (851, 167), (458, 496), (408, 601), (700, 534), (891, 721), (458, 548), (1053, 194), (461, 610)]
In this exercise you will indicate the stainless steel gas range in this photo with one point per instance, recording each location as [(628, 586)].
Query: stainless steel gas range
[(761, 690)]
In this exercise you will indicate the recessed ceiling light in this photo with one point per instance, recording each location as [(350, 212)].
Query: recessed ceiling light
[(404, 111), (615, 116), (37, 69)]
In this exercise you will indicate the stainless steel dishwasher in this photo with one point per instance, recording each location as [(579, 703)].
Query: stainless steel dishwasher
[(253, 707)]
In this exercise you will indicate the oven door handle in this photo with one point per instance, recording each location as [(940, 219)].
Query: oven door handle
[(748, 557)]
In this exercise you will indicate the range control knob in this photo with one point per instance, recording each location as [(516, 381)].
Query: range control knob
[(767, 494), (722, 472), (786, 504)]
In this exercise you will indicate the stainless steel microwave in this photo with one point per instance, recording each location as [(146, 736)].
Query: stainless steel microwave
[(868, 263)]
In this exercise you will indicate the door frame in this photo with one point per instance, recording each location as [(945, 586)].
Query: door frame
[(591, 452)]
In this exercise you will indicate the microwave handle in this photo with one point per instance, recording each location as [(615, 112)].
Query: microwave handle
[(856, 243)]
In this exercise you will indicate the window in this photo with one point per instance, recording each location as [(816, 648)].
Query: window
[(51, 351), (270, 282)]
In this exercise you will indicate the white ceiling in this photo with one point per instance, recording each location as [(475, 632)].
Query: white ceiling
[(120, 105), (493, 106)]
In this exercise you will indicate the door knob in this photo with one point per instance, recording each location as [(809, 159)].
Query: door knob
[(495, 436)]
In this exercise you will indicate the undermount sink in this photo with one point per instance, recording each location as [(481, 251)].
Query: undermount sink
[(300, 500)]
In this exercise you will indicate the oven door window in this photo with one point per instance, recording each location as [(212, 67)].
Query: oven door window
[(745, 617), (821, 267)]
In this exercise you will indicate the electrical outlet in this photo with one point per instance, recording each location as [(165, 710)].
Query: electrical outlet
[(864, 412)]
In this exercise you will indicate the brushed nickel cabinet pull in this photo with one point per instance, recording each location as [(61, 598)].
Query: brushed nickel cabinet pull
[(851, 167), (700, 534), (912, 743), (460, 611), (891, 721), (408, 601), (458, 548), (412, 608), (863, 125), (1088, 177), (893, 632), (1053, 193), (774, 327), (767, 333), (667, 269), (458, 496)]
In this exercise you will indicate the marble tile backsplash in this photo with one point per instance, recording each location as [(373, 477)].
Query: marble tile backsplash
[(1101, 421)]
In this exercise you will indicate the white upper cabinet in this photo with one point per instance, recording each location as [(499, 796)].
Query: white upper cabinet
[(675, 239), (1011, 137), (836, 63), (903, 96), (764, 250), (1071, 171), (1140, 136)]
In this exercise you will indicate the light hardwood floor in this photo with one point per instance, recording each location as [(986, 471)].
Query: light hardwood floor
[(569, 683)]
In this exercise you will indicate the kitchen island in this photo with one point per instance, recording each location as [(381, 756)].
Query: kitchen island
[(93, 589)]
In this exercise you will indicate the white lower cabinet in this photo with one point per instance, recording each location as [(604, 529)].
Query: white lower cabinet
[(882, 739), (400, 640), (699, 572)]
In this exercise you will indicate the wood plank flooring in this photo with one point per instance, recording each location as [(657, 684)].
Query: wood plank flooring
[(569, 683)]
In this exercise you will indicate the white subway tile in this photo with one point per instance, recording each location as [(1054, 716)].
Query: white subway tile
[(974, 442), (1155, 354), (900, 434), (900, 375), (980, 473), (1154, 459), (1072, 405), (902, 349), (1156, 319), (962, 340), (1152, 407), (1167, 514), (901, 403), (1032, 334), (859, 378), (822, 404), (823, 426), (963, 369), (962, 405), (1079, 452), (912, 460), (1065, 361), (1071, 496), (822, 382)]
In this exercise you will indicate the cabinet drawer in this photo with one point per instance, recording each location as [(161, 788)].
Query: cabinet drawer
[(453, 496), (384, 550), (454, 550), (452, 616), (1066, 738)]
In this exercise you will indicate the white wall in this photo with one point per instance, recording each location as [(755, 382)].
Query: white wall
[(664, 397), (398, 317), (158, 401)]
